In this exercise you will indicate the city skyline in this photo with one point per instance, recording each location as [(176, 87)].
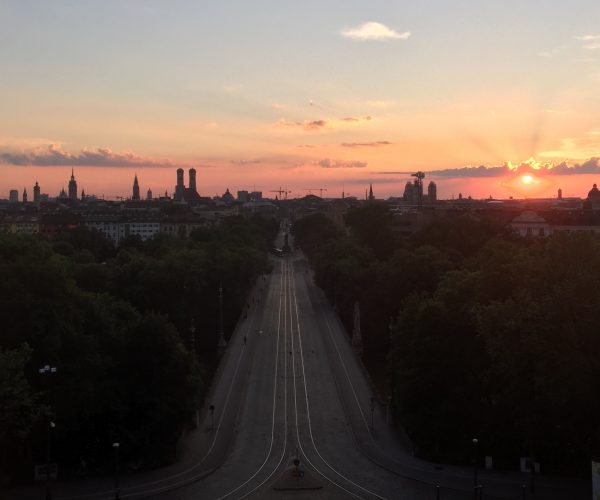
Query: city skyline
[(313, 96), (518, 186)]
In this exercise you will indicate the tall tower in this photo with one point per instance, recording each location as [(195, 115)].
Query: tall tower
[(179, 188), (136, 189), (24, 195), (72, 187), (559, 193), (149, 194), (432, 192), (419, 176), (36, 193), (192, 174), (371, 195), (408, 195)]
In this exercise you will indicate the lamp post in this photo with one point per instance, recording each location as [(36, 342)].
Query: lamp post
[(212, 417), (193, 338), (44, 372), (475, 442), (117, 491), (222, 342), (51, 425), (532, 468)]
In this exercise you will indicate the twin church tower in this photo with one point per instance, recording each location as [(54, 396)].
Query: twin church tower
[(181, 192)]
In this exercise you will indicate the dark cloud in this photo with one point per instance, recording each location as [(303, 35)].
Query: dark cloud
[(309, 126), (53, 155), (373, 144), (245, 162), (591, 166), (327, 163), (356, 118), (481, 171), (366, 182), (314, 125)]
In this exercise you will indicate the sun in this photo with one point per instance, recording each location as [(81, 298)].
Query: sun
[(527, 179)]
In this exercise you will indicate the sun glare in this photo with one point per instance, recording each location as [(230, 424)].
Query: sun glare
[(527, 179)]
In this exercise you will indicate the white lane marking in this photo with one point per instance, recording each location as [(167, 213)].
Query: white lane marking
[(273, 415), (308, 413)]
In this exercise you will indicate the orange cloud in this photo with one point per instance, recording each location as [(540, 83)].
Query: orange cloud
[(372, 144), (309, 126)]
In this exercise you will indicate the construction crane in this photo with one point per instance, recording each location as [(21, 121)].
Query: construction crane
[(283, 192), (320, 190)]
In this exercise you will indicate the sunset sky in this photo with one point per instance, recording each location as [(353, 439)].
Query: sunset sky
[(302, 95)]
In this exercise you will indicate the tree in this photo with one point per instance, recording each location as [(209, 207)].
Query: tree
[(18, 401)]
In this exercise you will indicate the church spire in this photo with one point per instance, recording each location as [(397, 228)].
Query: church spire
[(136, 189)]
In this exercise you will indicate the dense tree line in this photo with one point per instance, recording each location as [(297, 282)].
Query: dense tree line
[(116, 323), (485, 334)]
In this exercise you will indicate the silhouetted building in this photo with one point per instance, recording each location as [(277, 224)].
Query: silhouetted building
[(594, 193), (408, 195), (63, 194), (255, 196), (83, 195), (136, 189), (149, 194), (36, 193), (73, 187), (227, 197), (13, 196), (371, 195), (242, 196), (190, 195), (179, 187), (413, 192), (24, 195), (559, 193), (432, 192), (528, 223), (593, 198), (192, 176)]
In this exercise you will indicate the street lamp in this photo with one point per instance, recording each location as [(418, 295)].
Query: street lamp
[(51, 425), (45, 371), (212, 417), (222, 342), (117, 492), (193, 338), (532, 468), (475, 442)]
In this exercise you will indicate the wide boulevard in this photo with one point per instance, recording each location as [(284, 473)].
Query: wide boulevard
[(292, 414)]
